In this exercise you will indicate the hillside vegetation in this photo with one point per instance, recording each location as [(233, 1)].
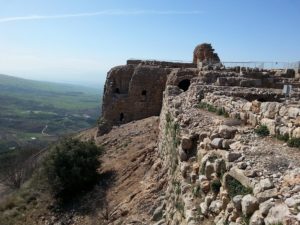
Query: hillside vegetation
[(34, 113)]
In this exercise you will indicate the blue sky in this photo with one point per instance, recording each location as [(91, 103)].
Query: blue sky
[(79, 41)]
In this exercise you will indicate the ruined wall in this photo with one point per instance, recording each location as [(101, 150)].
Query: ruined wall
[(135, 91), (281, 118), (132, 92), (217, 173)]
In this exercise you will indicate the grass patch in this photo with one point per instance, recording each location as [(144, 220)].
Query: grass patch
[(172, 130), (284, 138), (294, 142), (206, 106), (236, 188), (262, 131), (180, 207), (176, 186), (245, 220), (219, 111), (222, 112)]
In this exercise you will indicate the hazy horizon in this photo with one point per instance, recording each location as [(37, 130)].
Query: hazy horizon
[(78, 42)]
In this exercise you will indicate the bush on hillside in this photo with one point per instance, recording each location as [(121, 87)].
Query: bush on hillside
[(71, 167), (294, 142), (262, 131)]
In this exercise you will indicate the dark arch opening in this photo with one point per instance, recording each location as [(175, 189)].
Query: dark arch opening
[(121, 117), (144, 92), (184, 84), (117, 90)]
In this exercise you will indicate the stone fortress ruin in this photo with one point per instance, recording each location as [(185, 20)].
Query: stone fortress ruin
[(135, 90), (216, 170)]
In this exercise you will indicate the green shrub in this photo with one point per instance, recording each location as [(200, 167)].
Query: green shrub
[(294, 142), (215, 186), (262, 131), (71, 167), (222, 112), (284, 138)]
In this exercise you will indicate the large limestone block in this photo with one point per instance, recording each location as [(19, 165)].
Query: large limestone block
[(296, 132), (278, 213), (249, 205), (293, 112), (270, 109), (271, 124)]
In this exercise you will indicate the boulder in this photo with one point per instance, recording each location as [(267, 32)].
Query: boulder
[(205, 186), (293, 112), (278, 213), (215, 206), (184, 168), (232, 156), (267, 194), (265, 207), (182, 155), (256, 219), (296, 132), (249, 205), (237, 202), (216, 143), (266, 184), (186, 143), (209, 169), (227, 132)]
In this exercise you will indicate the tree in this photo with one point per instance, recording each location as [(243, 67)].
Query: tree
[(71, 167)]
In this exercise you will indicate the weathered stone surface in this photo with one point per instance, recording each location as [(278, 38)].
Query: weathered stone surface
[(239, 176), (278, 213), (182, 155), (256, 219), (209, 169), (216, 143), (237, 202), (270, 124), (296, 132), (293, 201), (215, 206), (266, 184), (132, 93), (249, 205), (205, 54), (232, 156), (265, 207), (293, 112), (227, 132), (186, 143), (267, 194)]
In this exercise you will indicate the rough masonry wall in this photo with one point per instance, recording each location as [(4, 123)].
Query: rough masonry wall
[(281, 118), (132, 92), (219, 173)]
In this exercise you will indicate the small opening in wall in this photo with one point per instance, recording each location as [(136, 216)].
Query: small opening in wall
[(117, 91), (121, 117), (144, 92), (184, 84)]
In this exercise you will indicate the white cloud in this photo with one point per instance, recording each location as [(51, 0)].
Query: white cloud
[(99, 13)]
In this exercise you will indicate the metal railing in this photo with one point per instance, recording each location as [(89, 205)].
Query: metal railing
[(264, 65)]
